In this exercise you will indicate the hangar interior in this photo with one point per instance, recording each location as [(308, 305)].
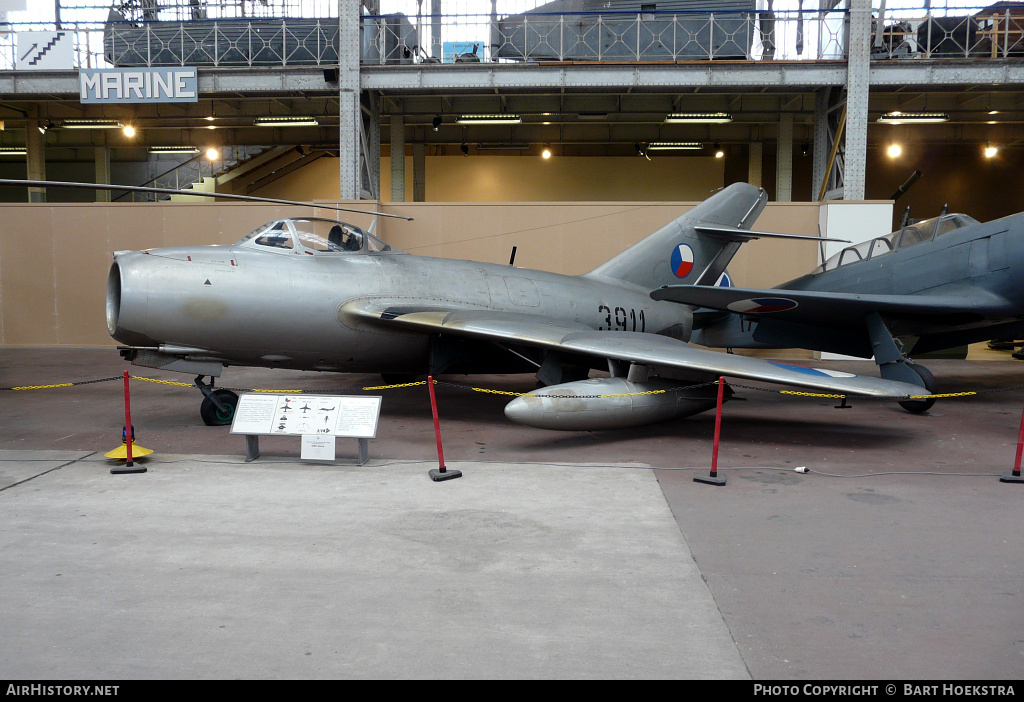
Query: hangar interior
[(592, 89), (564, 102), (561, 554)]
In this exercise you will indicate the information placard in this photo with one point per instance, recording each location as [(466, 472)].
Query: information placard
[(351, 416)]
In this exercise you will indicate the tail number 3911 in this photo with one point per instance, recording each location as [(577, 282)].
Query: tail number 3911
[(622, 319)]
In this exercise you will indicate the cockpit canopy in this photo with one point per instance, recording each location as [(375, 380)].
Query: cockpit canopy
[(909, 235), (312, 235)]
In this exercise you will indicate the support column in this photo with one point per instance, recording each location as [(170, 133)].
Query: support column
[(35, 158), (397, 158), (754, 167), (102, 156), (349, 109), (820, 147), (419, 172), (784, 160), (857, 89), (371, 147), (435, 29)]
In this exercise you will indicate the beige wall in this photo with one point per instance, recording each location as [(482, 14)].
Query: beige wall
[(54, 258), (524, 179)]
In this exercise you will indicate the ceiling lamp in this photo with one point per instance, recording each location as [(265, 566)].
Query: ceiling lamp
[(546, 153), (894, 150), (674, 146), (128, 130), (174, 150), (898, 117), (212, 154), (91, 124), (718, 151), (12, 151), (286, 122), (991, 151), (698, 118), (503, 118)]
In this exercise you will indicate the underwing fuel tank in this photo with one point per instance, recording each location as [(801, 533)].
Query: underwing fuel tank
[(611, 403)]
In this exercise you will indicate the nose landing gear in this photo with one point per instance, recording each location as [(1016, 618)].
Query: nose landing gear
[(218, 407)]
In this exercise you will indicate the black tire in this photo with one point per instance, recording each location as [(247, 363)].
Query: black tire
[(214, 417), (919, 406)]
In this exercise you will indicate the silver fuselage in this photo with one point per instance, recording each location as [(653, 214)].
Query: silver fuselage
[(241, 306)]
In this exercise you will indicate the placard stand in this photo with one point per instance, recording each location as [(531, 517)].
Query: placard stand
[(252, 449), (325, 416)]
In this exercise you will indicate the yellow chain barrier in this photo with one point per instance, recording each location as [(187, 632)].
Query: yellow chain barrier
[(43, 387), (518, 394), (397, 385), (810, 394)]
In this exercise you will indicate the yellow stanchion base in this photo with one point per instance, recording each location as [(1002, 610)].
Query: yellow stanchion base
[(122, 452)]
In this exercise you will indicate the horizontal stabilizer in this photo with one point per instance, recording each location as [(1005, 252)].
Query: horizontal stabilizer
[(825, 308), (737, 234)]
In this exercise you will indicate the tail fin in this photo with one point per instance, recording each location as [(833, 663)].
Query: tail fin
[(679, 253)]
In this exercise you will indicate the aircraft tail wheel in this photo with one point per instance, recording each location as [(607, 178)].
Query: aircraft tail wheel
[(214, 417), (919, 406)]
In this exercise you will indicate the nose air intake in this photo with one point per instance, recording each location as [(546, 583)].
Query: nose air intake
[(113, 298)]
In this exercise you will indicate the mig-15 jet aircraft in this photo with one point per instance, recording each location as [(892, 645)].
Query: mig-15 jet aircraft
[(316, 294)]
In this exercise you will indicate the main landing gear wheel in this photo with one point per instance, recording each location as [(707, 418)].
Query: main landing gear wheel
[(919, 406), (214, 416)]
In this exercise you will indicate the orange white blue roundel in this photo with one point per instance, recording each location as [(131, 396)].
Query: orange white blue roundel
[(762, 305), (682, 261)]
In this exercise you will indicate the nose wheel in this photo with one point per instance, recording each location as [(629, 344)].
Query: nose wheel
[(218, 407)]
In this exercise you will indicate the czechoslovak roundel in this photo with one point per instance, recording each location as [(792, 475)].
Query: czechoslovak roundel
[(682, 261)]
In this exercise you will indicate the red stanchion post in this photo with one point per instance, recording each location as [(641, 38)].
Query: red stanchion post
[(714, 478), (1014, 476), (129, 435), (441, 472)]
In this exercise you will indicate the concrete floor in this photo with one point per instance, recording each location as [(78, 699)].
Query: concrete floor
[(581, 554)]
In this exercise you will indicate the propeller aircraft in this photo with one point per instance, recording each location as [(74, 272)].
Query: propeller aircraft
[(936, 284)]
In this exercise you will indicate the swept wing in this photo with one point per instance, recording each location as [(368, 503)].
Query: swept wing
[(633, 347)]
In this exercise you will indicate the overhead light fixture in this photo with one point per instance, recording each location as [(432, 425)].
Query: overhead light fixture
[(991, 151), (674, 146), (174, 149), (436, 123), (718, 151), (286, 122), (641, 150), (13, 151), (128, 131), (91, 124), (503, 118), (212, 153), (546, 153), (698, 118), (898, 117), (465, 149), (894, 150)]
